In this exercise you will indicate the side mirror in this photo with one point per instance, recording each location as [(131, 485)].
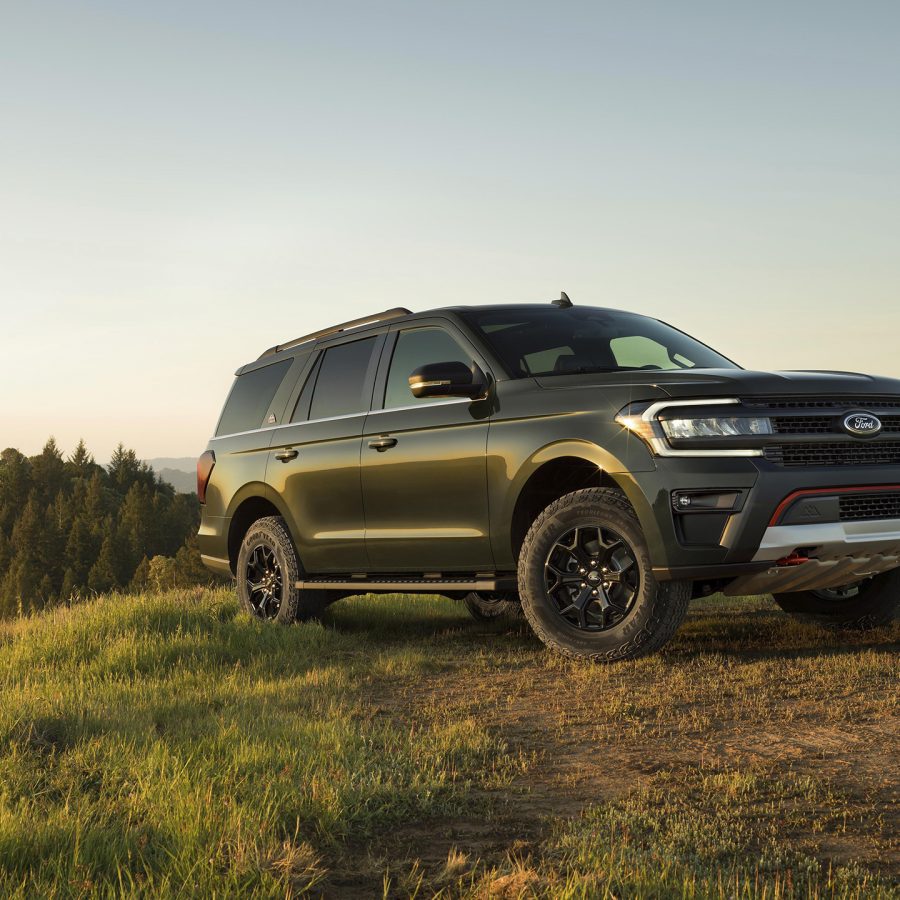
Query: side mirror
[(448, 379)]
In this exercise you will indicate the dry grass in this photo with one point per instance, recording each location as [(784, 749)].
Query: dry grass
[(166, 745)]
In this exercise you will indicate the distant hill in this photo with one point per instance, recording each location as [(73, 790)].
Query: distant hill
[(179, 471)]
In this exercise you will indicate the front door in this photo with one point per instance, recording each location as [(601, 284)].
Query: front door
[(424, 465), (314, 461)]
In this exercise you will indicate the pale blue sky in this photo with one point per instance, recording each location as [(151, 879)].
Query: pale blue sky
[(185, 184)]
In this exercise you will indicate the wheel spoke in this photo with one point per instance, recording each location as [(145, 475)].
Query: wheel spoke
[(264, 581), (591, 577)]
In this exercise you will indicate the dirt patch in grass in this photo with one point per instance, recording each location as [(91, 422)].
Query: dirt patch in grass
[(786, 731)]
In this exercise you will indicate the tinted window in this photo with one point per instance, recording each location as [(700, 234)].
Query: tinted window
[(301, 407), (342, 377), (550, 341), (414, 348), (250, 397)]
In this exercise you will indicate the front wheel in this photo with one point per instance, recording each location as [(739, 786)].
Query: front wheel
[(586, 582), (267, 573), (865, 604)]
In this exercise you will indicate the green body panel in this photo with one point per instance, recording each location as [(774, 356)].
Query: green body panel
[(320, 494), (240, 476), (426, 499)]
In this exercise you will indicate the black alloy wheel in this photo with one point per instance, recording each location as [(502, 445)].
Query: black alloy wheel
[(268, 570), (264, 582), (587, 584), (592, 576)]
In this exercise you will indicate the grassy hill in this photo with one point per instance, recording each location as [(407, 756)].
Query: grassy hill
[(167, 745)]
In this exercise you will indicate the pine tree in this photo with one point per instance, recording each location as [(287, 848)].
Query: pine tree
[(125, 469), (188, 567), (80, 463), (15, 485), (70, 526), (82, 549), (141, 579), (138, 524), (96, 502), (103, 576), (29, 548), (48, 472), (71, 586)]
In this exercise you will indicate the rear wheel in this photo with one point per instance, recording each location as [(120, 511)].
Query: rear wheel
[(267, 572), (586, 582), (865, 604), (488, 607)]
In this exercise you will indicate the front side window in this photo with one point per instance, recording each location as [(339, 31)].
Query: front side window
[(419, 347), (250, 397), (341, 382), (550, 341)]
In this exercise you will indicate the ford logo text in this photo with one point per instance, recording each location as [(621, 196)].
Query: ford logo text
[(862, 424)]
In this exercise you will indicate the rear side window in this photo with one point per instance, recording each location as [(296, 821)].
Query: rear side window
[(342, 380), (250, 397)]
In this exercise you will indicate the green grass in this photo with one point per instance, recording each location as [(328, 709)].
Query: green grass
[(168, 745)]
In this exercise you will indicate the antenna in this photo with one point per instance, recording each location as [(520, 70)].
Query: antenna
[(564, 302)]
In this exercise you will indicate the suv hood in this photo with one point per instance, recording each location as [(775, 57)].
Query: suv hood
[(732, 382)]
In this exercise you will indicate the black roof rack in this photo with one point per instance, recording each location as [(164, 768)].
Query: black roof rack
[(394, 313)]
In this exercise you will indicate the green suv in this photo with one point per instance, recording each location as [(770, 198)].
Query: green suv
[(591, 468)]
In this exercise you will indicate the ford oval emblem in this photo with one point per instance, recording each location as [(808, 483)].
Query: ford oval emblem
[(861, 424)]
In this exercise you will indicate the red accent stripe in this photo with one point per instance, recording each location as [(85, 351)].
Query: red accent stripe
[(810, 492)]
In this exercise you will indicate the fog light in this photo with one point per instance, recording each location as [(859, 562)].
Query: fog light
[(705, 501)]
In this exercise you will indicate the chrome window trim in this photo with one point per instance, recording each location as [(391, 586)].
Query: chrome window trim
[(370, 412), (219, 437), (376, 412)]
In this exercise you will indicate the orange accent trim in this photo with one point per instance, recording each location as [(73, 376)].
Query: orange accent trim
[(811, 492)]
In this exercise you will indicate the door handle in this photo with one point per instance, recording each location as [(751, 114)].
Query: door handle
[(382, 444), (286, 455)]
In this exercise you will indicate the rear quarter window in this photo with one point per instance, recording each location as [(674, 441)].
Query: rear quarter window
[(250, 397)]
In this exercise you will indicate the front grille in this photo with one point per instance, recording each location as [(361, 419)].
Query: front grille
[(803, 424), (825, 424), (836, 403), (856, 453), (879, 505)]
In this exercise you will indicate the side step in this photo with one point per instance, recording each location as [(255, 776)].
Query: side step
[(412, 585)]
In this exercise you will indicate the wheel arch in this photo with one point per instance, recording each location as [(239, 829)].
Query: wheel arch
[(554, 470), (250, 506)]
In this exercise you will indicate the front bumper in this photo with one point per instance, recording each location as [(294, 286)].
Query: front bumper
[(870, 536), (751, 539)]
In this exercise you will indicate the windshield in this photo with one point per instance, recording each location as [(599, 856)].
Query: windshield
[(552, 341)]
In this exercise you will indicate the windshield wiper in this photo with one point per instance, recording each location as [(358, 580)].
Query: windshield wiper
[(583, 370)]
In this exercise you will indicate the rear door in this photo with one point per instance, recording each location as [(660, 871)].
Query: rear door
[(424, 464), (314, 459)]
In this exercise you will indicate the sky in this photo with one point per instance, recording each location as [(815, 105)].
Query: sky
[(185, 184)]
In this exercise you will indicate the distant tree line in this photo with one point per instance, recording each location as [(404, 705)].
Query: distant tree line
[(70, 527)]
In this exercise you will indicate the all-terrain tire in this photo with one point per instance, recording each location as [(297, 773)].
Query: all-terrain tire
[(269, 538), (489, 609), (871, 604), (656, 610)]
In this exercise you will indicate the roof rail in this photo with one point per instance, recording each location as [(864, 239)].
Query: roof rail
[(394, 313)]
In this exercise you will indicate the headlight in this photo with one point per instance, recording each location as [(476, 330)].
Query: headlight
[(716, 427), (673, 436)]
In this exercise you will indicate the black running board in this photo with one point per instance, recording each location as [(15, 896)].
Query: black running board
[(412, 585)]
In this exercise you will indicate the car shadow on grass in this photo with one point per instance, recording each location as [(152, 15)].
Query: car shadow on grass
[(740, 630)]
